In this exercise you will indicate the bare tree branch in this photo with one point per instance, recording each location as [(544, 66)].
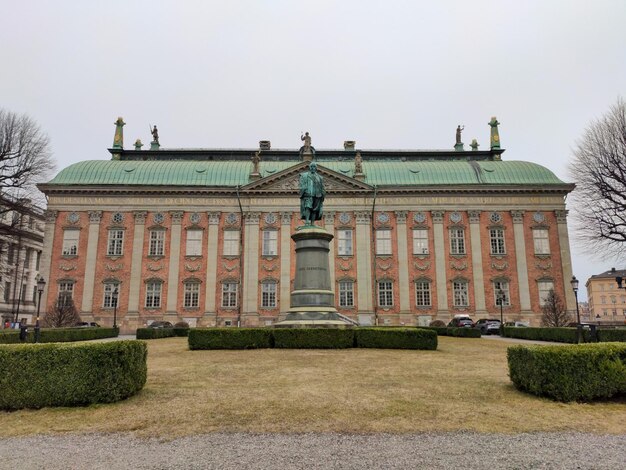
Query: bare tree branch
[(599, 169), (554, 312)]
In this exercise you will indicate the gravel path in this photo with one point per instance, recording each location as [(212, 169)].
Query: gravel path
[(461, 450)]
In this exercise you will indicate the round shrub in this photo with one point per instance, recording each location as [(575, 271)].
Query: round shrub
[(62, 374), (181, 324), (437, 323)]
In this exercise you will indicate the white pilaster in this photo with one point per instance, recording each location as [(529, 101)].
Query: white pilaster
[(566, 259), (520, 258), (403, 262), (329, 225), (90, 264), (174, 264), (46, 255), (212, 260), (364, 262), (440, 262), (477, 262), (285, 262), (251, 263), (135, 262)]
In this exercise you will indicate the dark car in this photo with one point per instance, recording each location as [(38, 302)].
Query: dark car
[(87, 324), (488, 326), (461, 322), (160, 324)]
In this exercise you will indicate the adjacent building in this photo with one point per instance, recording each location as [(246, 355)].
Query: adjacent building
[(607, 303), (204, 235)]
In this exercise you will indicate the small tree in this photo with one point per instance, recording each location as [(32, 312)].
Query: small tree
[(554, 313), (63, 313)]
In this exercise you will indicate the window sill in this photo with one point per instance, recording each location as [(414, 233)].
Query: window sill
[(269, 257), (346, 257), (114, 257), (498, 255), (458, 255), (69, 256), (156, 257), (543, 255), (385, 256), (230, 256), (421, 255)]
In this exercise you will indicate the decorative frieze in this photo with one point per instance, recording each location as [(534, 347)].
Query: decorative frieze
[(285, 218), (437, 216), (474, 216), (422, 267), (155, 267), (252, 218), (401, 216), (114, 267), (50, 216), (214, 218), (499, 267), (363, 217), (329, 218), (177, 217), (192, 267), (458, 266), (140, 217), (561, 216)]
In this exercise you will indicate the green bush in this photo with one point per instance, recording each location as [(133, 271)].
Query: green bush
[(230, 338), (612, 335), (155, 333), (440, 330), (309, 338), (557, 335), (181, 331), (38, 375), (59, 335), (396, 338), (568, 373), (464, 332)]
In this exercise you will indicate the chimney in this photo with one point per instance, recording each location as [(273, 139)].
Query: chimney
[(265, 144), (349, 144)]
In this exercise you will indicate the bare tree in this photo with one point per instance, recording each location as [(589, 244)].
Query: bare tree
[(554, 312), (599, 169), (62, 314)]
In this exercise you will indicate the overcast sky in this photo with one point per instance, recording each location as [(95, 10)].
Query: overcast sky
[(388, 74)]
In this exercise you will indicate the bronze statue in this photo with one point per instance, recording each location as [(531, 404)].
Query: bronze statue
[(155, 134), (458, 134), (311, 195)]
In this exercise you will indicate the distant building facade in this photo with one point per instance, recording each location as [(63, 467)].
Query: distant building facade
[(203, 236), (607, 303), (21, 245)]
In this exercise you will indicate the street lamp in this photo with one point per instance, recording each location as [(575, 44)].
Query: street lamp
[(500, 298), (115, 294), (41, 284), (574, 283)]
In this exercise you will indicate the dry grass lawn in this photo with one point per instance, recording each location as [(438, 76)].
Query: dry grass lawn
[(462, 386)]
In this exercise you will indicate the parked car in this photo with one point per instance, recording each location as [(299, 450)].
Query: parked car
[(87, 324), (488, 326), (461, 322), (517, 324), (160, 324)]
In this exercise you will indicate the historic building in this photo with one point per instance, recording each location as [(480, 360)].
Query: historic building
[(21, 244), (204, 235), (607, 303)]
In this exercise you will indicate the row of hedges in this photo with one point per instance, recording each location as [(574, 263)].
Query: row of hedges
[(569, 373), (564, 335), (312, 338), (38, 375), (457, 332), (156, 333), (59, 335)]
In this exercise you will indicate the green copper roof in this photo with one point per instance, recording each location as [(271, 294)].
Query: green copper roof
[(233, 173)]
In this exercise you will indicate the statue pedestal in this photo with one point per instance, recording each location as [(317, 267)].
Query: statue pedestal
[(313, 299), (459, 147)]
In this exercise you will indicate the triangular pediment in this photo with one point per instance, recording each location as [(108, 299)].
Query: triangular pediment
[(288, 181)]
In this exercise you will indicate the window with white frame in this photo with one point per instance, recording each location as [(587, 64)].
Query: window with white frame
[(385, 294), (420, 241), (346, 293), (344, 242), (544, 288), (231, 242), (229, 294), (111, 295), (457, 241), (383, 242), (153, 294), (70, 242), (460, 293), (115, 245), (541, 241), (422, 293), (157, 243), (194, 243), (268, 294), (192, 294), (270, 243), (66, 293), (501, 286), (496, 238)]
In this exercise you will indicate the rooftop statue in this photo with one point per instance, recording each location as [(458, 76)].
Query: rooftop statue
[(155, 135), (458, 134), (307, 148), (358, 163), (118, 139), (495, 136), (256, 158), (311, 195)]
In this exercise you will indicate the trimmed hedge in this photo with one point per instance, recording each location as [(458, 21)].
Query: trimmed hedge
[(154, 333), (313, 338), (38, 375), (464, 332), (618, 334), (181, 331), (569, 373), (396, 338), (230, 338), (557, 335), (59, 335)]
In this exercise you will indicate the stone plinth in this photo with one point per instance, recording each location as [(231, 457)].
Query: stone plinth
[(313, 299)]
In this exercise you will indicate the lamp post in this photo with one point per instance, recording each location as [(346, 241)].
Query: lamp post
[(115, 294), (500, 298), (574, 283), (41, 284)]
